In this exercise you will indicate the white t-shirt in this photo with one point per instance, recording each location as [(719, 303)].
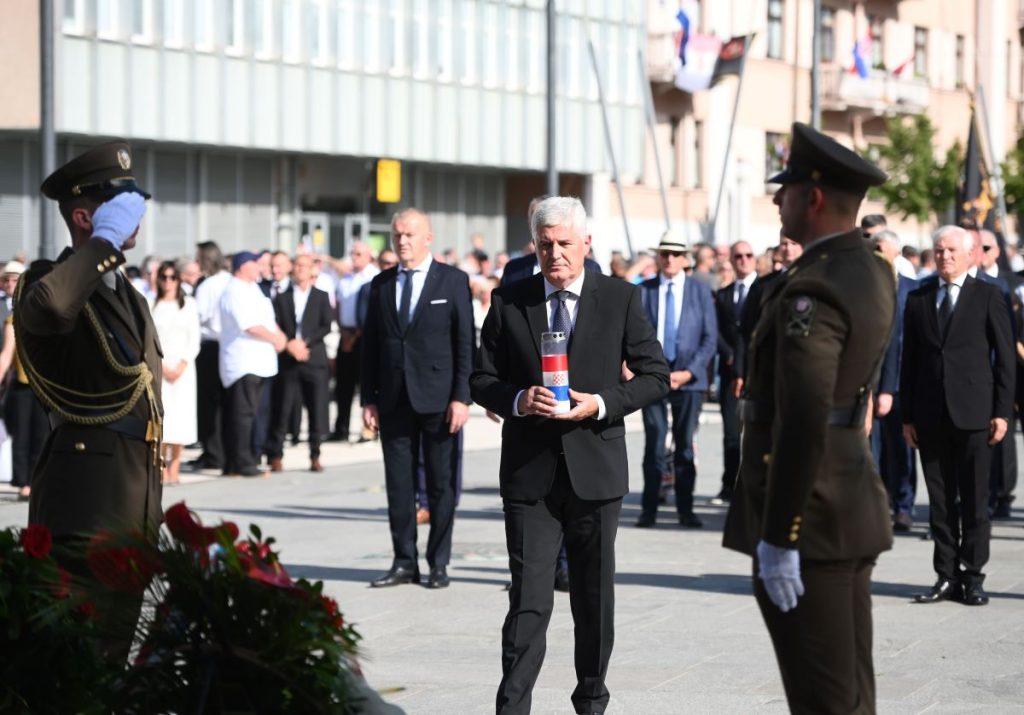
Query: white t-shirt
[(244, 306), (208, 296)]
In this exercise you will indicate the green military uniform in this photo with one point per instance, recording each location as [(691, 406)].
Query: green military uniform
[(87, 342), (807, 480)]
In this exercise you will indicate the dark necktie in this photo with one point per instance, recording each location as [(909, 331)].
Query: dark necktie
[(405, 305), (946, 310), (741, 296), (275, 288), (671, 326), (560, 321)]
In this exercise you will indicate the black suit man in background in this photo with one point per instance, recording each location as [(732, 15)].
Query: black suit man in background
[(417, 356), (564, 474), (303, 312), (729, 302), (956, 385)]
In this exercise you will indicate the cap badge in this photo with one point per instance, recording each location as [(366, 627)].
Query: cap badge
[(124, 159)]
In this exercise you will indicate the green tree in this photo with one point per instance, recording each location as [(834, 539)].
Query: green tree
[(1013, 179), (920, 185)]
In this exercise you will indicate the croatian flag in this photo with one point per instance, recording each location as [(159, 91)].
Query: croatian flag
[(555, 369), (683, 35), (861, 50)]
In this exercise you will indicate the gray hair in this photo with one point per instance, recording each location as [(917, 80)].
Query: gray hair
[(964, 236), (559, 211), (887, 236)]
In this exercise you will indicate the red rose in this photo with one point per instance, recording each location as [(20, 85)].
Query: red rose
[(87, 610), (121, 568), (227, 531), (186, 528), (36, 540), (331, 606)]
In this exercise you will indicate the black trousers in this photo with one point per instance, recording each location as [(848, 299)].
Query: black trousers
[(209, 419), (243, 401), (729, 405), (534, 532), (346, 377), (261, 422), (956, 470), (29, 427), (307, 383), (1003, 474), (402, 431), (823, 646)]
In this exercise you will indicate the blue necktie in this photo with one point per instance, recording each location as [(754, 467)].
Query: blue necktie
[(741, 296), (560, 321), (671, 327)]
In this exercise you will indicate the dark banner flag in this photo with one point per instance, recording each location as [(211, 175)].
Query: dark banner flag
[(975, 203), (730, 59)]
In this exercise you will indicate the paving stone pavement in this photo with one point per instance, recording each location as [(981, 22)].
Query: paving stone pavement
[(689, 638)]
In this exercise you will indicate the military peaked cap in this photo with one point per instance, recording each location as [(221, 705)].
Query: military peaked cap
[(816, 157), (101, 173)]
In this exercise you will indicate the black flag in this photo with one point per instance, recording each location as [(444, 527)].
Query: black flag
[(730, 58), (975, 202)]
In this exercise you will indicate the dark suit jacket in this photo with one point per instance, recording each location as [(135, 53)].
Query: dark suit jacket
[(970, 373), (730, 339), (749, 316), (519, 268), (889, 377), (610, 327), (432, 359), (316, 324), (88, 477), (697, 333)]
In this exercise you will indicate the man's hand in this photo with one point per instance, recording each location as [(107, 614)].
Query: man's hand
[(371, 420), (910, 435), (493, 417), (348, 342), (883, 405), (171, 374), (537, 400), (737, 387), (458, 413), (779, 569), (996, 430), (117, 220), (297, 348), (279, 341), (678, 378), (586, 406), (626, 374)]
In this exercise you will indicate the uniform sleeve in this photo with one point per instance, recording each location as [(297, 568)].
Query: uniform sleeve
[(811, 333), (463, 339)]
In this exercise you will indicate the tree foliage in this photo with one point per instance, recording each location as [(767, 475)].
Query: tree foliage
[(1013, 179)]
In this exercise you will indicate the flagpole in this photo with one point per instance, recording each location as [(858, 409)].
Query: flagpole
[(650, 117), (995, 171), (552, 168), (816, 68), (728, 142)]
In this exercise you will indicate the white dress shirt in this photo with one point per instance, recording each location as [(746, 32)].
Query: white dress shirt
[(678, 285), (572, 304), (208, 296), (348, 294), (748, 281), (418, 279), (952, 287), (301, 297), (993, 270)]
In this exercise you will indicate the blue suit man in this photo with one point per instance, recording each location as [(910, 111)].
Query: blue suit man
[(682, 312), (894, 457)]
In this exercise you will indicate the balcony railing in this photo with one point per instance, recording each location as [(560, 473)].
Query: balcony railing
[(880, 92)]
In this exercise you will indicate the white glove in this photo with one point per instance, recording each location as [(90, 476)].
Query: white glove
[(780, 571), (116, 221)]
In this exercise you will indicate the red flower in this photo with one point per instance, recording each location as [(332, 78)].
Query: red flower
[(36, 540), (87, 609), (121, 568), (228, 531), (331, 606), (62, 589), (263, 566), (185, 527)]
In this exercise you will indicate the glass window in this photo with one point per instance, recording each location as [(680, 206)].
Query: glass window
[(537, 72), (513, 16), (348, 36), (291, 31), (959, 61), (420, 30), (371, 37), (612, 69), (774, 154), (318, 32), (174, 23), (234, 30), (202, 16), (673, 151), (262, 24), (695, 176), (876, 27), (396, 37), (142, 21), (828, 34), (920, 52), (444, 52), (468, 38), (107, 20), (490, 46), (775, 29), (74, 17)]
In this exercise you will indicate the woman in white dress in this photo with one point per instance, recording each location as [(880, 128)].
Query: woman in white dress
[(177, 325)]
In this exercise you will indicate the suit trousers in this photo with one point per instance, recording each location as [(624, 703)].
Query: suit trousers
[(346, 377), (685, 405), (261, 422), (308, 382), (729, 405), (240, 407), (956, 471), (29, 427), (209, 420), (534, 532), (823, 646), (402, 431), (1003, 475), (895, 459)]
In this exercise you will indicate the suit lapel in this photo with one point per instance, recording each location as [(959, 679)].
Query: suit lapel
[(431, 284), (652, 306), (962, 301), (288, 299), (537, 312), (586, 317), (389, 294), (932, 312), (119, 309)]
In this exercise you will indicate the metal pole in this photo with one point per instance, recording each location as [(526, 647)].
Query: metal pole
[(650, 117), (996, 171), (552, 169), (728, 143), (816, 68), (47, 136), (611, 149)]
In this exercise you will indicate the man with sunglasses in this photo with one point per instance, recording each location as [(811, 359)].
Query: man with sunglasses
[(682, 312)]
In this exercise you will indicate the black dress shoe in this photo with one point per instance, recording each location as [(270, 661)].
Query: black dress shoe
[(974, 595), (1001, 510), (943, 590), (438, 577), (723, 497), (645, 522), (903, 522), (396, 576), (562, 580), (690, 521)]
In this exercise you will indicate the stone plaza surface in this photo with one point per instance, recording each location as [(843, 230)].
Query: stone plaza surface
[(689, 637)]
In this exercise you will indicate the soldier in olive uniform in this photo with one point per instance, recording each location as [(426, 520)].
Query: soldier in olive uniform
[(809, 505), (87, 342)]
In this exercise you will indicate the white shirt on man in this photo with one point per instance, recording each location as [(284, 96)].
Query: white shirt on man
[(419, 277), (952, 287), (348, 293), (301, 298), (243, 306), (208, 296)]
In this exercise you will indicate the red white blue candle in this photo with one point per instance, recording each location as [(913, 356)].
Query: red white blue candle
[(555, 368)]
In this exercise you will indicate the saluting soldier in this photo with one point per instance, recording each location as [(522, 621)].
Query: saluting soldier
[(87, 342), (809, 505)]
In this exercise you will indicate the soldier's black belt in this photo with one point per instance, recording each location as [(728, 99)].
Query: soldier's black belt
[(757, 411), (128, 426)]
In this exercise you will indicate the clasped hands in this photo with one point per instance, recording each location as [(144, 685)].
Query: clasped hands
[(541, 401)]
